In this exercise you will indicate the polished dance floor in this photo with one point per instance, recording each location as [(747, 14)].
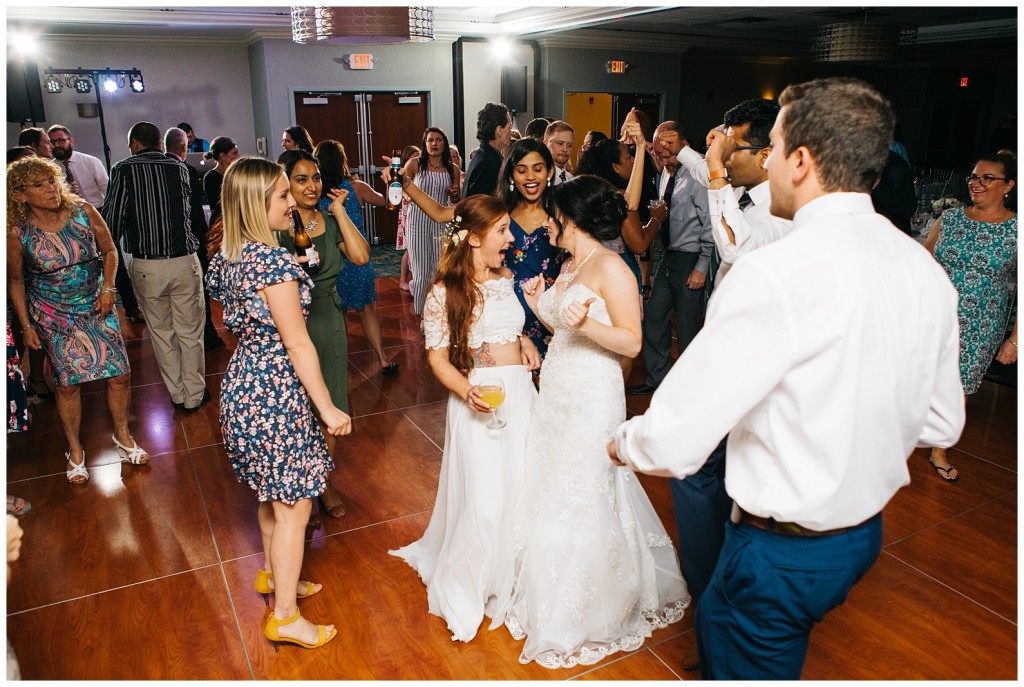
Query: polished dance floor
[(147, 572)]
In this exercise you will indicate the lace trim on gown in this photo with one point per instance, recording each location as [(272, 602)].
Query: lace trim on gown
[(498, 317)]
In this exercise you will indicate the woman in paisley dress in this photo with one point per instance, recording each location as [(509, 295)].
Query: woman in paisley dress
[(61, 263), (977, 246), (271, 436), (474, 331), (355, 283), (595, 570)]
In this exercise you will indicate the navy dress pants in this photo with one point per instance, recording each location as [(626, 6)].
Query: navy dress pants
[(767, 592), (702, 509)]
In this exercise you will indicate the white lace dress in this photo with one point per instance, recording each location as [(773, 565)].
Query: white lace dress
[(596, 572), (465, 556)]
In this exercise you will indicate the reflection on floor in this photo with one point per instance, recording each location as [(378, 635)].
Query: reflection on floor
[(146, 573)]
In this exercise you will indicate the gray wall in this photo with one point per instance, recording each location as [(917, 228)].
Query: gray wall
[(204, 83), (285, 67), (565, 70), (481, 72)]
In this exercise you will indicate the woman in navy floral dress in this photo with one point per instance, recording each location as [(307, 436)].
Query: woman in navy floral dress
[(271, 436), (522, 186)]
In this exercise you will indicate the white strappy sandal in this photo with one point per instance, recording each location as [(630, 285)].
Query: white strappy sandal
[(135, 455), (77, 470)]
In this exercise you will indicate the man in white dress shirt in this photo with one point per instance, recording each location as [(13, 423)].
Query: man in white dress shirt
[(85, 174), (558, 137), (827, 357)]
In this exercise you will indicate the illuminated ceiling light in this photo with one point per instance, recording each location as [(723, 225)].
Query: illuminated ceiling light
[(861, 42), (138, 86), (53, 84), (501, 48), (109, 85), (83, 85), (25, 44), (362, 25)]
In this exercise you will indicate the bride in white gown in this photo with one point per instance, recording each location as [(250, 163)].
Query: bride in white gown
[(595, 570)]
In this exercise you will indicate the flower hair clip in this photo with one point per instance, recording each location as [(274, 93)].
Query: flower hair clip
[(458, 234)]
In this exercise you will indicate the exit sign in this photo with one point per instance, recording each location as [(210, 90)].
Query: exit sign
[(617, 66), (963, 82), (360, 61)]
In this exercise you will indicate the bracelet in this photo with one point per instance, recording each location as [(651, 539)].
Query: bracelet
[(1012, 342), (717, 174), (108, 289), (26, 327)]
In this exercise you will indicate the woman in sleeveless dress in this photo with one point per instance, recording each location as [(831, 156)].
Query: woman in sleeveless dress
[(433, 173), (355, 283), (474, 332), (977, 246), (596, 571), (61, 262)]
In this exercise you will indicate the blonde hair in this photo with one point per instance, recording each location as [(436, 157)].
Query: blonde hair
[(245, 197), (26, 171)]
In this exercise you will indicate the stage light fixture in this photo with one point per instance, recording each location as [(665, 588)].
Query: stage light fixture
[(53, 84), (83, 85), (109, 85), (138, 86)]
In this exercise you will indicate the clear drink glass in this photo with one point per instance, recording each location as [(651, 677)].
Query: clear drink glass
[(492, 392)]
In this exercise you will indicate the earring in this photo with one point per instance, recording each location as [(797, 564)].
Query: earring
[(511, 186)]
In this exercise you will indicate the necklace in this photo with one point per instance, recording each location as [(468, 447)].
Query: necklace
[(569, 276), (312, 223)]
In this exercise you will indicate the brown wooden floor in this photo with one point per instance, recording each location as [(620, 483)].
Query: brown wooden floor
[(146, 573)]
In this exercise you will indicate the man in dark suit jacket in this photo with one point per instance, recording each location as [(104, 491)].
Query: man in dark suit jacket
[(175, 146), (894, 196), (494, 131)]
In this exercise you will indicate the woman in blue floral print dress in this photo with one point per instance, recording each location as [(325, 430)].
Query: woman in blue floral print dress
[(271, 436), (522, 186), (977, 246)]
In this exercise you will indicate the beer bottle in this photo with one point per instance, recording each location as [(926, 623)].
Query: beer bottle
[(304, 245), (395, 189)]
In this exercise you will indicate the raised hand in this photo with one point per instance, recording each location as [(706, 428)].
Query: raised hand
[(338, 197), (532, 289), (576, 313)]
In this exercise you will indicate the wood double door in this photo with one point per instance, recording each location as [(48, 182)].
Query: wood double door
[(369, 126)]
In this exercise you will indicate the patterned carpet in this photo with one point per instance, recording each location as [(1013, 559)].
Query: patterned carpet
[(387, 261)]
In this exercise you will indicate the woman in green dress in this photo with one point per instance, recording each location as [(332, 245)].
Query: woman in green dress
[(334, 235)]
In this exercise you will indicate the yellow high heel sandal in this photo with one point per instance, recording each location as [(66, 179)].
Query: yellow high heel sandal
[(270, 631), (262, 586)]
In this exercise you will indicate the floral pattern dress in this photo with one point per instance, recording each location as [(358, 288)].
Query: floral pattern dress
[(270, 434), (17, 394), (63, 278), (532, 254), (980, 259)]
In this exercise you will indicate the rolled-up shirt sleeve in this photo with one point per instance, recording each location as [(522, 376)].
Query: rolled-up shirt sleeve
[(741, 354)]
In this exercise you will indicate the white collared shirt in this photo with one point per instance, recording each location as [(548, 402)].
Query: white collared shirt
[(90, 175), (559, 171), (752, 227), (827, 357)]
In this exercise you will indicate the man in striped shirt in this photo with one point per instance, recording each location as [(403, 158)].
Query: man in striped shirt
[(148, 208)]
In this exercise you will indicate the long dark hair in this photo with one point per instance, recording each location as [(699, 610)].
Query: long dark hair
[(333, 164), (301, 138), (455, 273), (220, 145), (593, 205), (446, 153), (289, 158), (600, 160), (520, 149)]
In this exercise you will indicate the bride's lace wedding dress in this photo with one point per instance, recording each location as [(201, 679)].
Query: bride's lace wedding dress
[(595, 571)]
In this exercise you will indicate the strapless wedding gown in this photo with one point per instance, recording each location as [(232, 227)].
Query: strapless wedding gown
[(595, 570)]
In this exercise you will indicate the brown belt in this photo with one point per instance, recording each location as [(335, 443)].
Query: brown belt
[(790, 529)]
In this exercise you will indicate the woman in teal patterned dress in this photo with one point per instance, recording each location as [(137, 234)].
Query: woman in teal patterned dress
[(60, 270), (977, 246)]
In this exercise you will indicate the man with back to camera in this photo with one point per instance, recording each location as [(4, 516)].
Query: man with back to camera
[(38, 140), (494, 131), (558, 138), (149, 204), (827, 356)]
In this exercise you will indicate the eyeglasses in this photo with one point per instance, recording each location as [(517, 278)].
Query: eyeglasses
[(985, 179), (751, 147), (59, 140)]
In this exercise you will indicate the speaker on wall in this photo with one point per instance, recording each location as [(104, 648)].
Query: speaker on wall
[(24, 98), (513, 88)]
